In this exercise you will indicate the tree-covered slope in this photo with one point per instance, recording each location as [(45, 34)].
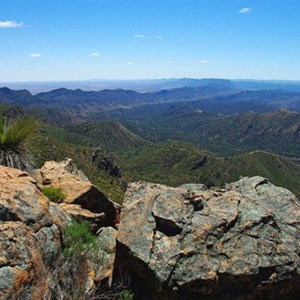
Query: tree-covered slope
[(110, 135), (277, 131), (175, 163)]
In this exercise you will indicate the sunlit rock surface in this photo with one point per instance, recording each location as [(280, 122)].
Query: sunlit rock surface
[(241, 242)]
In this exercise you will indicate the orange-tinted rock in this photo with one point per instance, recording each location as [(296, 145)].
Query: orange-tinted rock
[(32, 264), (21, 262), (80, 214), (21, 200), (31, 260), (78, 189)]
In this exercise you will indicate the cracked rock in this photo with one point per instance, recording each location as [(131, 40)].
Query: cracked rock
[(241, 242)]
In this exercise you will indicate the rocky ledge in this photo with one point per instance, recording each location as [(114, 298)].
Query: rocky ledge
[(31, 246), (241, 242)]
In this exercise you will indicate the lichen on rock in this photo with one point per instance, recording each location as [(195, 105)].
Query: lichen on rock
[(240, 242)]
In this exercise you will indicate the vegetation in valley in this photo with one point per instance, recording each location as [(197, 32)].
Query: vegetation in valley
[(168, 142), (171, 163), (111, 135), (277, 132), (176, 163)]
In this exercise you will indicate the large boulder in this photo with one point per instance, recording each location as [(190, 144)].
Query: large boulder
[(241, 242), (78, 190), (21, 200)]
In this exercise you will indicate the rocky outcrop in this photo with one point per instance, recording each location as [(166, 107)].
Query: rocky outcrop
[(241, 242), (30, 236), (21, 261), (200, 162), (32, 263), (190, 242), (78, 190), (106, 163)]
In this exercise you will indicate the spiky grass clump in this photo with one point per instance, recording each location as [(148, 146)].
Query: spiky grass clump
[(13, 134), (79, 240), (54, 194)]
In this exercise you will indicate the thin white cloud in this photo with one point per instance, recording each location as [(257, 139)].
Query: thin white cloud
[(142, 36), (156, 37), (245, 10), (10, 24), (129, 63), (34, 55), (203, 61), (168, 63), (95, 54), (139, 36)]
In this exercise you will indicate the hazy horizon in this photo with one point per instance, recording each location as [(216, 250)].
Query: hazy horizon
[(145, 85), (153, 79)]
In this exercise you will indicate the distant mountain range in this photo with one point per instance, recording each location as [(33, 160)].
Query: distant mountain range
[(214, 115), (153, 85), (87, 101), (215, 96), (18, 97), (211, 134)]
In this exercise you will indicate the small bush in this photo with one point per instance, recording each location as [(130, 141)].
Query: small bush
[(80, 246), (69, 273), (78, 240), (54, 194), (125, 295)]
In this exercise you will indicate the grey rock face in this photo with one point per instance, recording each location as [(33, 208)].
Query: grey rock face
[(107, 252), (241, 242)]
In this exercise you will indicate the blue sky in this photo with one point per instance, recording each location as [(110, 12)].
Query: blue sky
[(88, 39)]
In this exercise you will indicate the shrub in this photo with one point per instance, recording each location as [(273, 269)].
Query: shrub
[(78, 240), (68, 274), (125, 295), (80, 246), (13, 133), (54, 194)]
